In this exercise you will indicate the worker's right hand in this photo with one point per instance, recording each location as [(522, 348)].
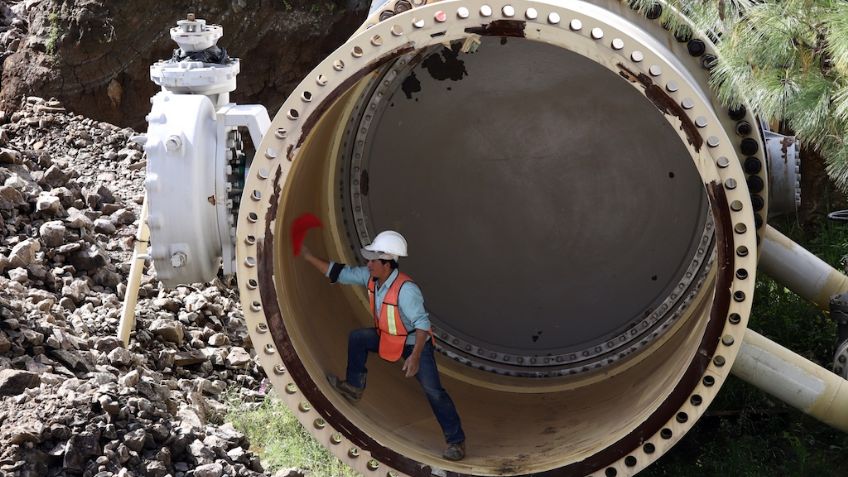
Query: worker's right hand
[(305, 252), (410, 365)]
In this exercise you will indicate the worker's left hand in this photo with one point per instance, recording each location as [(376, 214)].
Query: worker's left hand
[(410, 366)]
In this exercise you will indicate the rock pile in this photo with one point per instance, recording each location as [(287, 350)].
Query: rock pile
[(13, 29), (73, 401)]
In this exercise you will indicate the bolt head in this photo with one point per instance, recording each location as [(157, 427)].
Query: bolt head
[(178, 260), (173, 144)]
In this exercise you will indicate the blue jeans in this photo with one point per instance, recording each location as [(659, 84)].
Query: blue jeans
[(365, 340)]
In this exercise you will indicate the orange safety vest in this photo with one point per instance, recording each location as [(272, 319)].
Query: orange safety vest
[(389, 326)]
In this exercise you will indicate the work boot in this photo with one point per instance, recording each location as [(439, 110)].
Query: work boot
[(351, 393), (455, 451)]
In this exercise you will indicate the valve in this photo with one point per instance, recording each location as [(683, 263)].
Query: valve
[(196, 159)]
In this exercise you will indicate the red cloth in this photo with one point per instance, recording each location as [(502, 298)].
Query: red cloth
[(299, 227)]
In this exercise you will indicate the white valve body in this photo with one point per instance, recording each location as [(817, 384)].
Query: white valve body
[(191, 216)]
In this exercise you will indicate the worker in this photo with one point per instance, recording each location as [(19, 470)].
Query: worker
[(402, 330)]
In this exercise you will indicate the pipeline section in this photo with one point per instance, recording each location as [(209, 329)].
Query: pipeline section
[(793, 379)]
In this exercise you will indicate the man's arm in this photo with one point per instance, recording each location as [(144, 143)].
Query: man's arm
[(337, 272), (410, 366), (411, 303), (321, 265)]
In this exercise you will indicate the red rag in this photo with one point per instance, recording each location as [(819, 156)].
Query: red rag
[(299, 227)]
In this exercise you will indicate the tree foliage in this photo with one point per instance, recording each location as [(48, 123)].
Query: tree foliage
[(786, 59)]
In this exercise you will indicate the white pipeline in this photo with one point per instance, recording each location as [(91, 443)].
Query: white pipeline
[(793, 379), (799, 270)]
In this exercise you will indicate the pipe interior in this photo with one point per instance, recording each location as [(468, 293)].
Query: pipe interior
[(533, 186), (548, 206)]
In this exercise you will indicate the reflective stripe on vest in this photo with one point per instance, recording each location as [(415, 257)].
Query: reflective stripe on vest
[(392, 319), (389, 324)]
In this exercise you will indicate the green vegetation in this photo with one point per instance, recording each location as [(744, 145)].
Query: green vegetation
[(280, 440), (54, 32), (787, 59), (746, 432)]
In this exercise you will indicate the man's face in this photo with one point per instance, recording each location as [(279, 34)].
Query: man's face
[(379, 269)]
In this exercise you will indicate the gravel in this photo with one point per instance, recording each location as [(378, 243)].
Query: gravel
[(74, 400)]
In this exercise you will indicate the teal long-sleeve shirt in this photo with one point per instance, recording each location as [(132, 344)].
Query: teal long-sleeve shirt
[(410, 300)]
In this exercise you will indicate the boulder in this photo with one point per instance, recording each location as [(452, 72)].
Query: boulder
[(120, 357), (5, 344), (238, 357), (104, 226), (79, 450), (209, 470), (49, 204), (107, 343), (89, 258), (76, 290), (77, 219), (14, 381), (24, 432), (52, 233), (122, 217), (8, 156), (19, 275), (169, 330), (134, 440), (157, 469), (10, 198), (98, 196), (23, 253), (54, 177)]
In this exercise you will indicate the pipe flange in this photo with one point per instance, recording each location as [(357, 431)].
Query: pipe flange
[(712, 151), (784, 173)]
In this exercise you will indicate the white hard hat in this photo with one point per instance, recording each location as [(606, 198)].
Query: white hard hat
[(387, 245)]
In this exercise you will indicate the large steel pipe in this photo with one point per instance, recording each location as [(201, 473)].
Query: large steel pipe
[(578, 220)]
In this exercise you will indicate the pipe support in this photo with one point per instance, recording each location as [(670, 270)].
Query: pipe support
[(799, 270), (142, 242), (793, 379)]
